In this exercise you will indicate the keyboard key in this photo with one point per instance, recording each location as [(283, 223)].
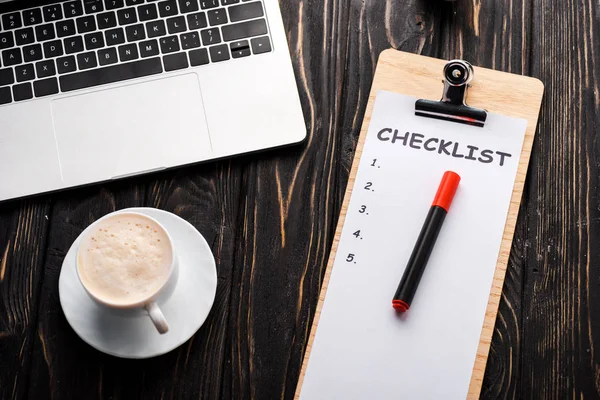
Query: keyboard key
[(244, 30), (219, 53), (217, 17), (25, 72), (73, 9), (167, 8), (176, 24), (128, 52), (113, 4), (106, 20), (66, 64), (86, 24), (6, 40), (52, 13), (93, 41), (175, 61), (32, 17), (169, 44), (11, 21), (111, 74), (87, 60), (209, 4), (149, 48), (11, 57), (197, 21), (45, 68), (65, 28), (107, 56), (44, 32), (5, 95), (127, 16), (156, 28), (32, 53), (135, 33), (210, 36), (114, 37), (6, 76), (239, 49), (134, 2), (228, 2), (22, 92), (93, 6), (198, 57), (189, 40), (45, 87), (24, 36), (188, 6), (260, 45), (73, 44), (147, 12), (245, 11), (53, 49)]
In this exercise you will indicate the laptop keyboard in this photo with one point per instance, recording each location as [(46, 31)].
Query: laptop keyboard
[(80, 44)]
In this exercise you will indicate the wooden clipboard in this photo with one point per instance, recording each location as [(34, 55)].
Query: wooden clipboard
[(498, 92)]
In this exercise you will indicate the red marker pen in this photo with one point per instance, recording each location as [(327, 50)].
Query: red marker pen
[(429, 233)]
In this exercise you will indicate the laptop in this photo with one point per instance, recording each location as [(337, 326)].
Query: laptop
[(97, 90)]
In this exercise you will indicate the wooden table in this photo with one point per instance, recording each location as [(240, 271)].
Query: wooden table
[(270, 218)]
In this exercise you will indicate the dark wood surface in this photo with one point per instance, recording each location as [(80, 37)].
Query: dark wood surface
[(270, 218)]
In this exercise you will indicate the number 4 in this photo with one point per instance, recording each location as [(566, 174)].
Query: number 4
[(357, 233)]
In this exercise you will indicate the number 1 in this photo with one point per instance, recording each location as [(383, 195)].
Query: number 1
[(374, 161)]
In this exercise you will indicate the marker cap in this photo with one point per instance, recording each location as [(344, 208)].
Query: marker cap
[(446, 190)]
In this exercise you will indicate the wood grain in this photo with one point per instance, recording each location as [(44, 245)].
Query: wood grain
[(23, 229), (561, 299)]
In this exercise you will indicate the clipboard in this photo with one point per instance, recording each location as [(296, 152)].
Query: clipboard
[(491, 91)]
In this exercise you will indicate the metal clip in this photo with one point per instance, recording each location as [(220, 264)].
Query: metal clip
[(453, 107)]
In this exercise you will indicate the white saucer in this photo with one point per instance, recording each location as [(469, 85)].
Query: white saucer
[(136, 337)]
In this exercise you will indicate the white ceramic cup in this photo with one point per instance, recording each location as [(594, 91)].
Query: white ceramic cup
[(150, 304)]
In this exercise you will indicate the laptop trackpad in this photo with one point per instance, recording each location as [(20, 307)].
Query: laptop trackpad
[(131, 129)]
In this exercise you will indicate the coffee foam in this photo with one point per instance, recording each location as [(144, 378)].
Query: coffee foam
[(124, 259)]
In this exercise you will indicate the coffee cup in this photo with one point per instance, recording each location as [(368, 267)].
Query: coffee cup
[(126, 263)]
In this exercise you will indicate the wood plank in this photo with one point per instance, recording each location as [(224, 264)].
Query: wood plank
[(294, 196), (23, 228), (561, 299), (63, 366)]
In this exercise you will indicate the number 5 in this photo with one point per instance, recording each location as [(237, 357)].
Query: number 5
[(350, 257)]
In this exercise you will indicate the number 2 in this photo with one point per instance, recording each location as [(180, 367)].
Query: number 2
[(368, 186)]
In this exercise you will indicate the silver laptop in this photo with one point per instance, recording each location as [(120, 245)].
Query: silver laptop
[(97, 90)]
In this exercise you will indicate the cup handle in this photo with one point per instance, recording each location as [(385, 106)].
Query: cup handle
[(157, 317)]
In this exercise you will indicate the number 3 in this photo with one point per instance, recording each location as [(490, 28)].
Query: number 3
[(362, 209)]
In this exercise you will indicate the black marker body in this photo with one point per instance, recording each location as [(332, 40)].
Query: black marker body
[(429, 233), (419, 257)]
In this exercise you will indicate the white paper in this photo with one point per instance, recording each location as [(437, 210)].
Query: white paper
[(363, 349)]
